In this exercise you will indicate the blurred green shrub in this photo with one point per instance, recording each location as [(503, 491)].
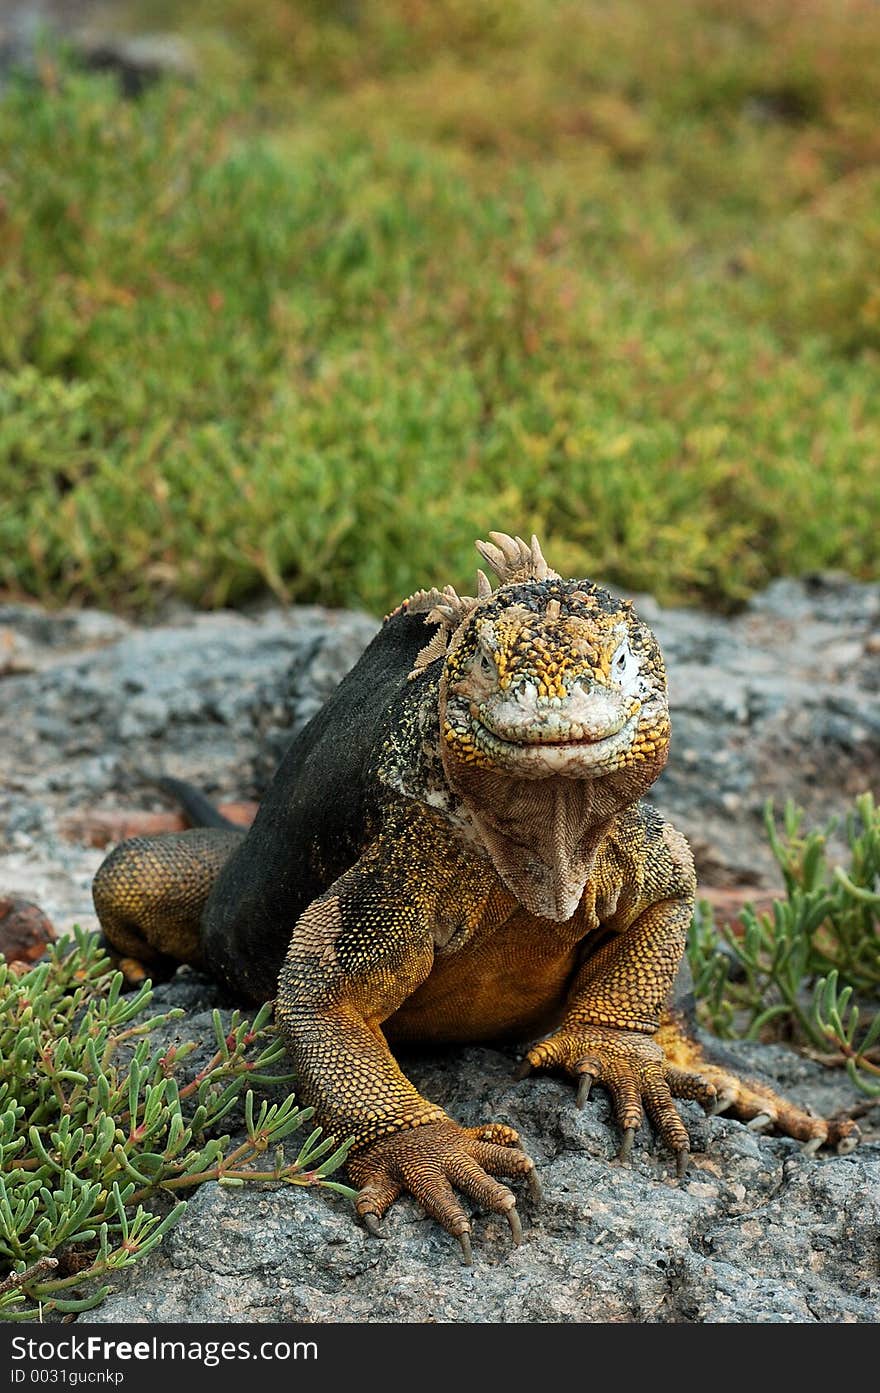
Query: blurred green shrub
[(399, 273)]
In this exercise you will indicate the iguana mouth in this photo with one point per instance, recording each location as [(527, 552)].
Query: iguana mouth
[(556, 744), (573, 734)]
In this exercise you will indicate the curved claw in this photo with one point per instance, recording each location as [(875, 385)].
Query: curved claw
[(760, 1123), (724, 1099), (626, 1145), (524, 1069), (467, 1256), (372, 1225), (536, 1189), (583, 1093), (513, 1220), (681, 1163)]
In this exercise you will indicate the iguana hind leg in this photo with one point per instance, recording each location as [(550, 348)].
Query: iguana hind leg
[(149, 894), (750, 1100)]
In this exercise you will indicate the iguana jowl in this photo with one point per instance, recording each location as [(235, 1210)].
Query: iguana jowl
[(454, 850)]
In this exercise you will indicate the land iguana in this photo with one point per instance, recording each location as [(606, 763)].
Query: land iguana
[(454, 850)]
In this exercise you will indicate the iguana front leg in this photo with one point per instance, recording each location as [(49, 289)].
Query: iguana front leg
[(618, 996), (355, 956), (612, 1015)]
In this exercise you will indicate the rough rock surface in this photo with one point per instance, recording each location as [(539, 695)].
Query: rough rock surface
[(782, 701), (757, 1231), (93, 707)]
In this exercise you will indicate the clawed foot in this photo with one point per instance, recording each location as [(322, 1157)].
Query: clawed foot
[(429, 1161), (633, 1069), (763, 1110)]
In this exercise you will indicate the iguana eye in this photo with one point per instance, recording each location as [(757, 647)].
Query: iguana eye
[(620, 663)]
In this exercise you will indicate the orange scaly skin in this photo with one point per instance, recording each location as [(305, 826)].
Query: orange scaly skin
[(455, 850)]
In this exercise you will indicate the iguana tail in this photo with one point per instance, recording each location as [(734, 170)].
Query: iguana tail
[(199, 809)]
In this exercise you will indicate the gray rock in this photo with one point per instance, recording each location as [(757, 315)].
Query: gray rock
[(756, 1232), (782, 701), (94, 708), (95, 36), (137, 60)]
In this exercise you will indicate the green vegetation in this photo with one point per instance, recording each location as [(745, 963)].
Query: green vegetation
[(810, 970), (392, 274), (100, 1131)]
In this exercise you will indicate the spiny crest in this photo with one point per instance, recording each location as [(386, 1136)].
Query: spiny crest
[(514, 560), (445, 608), (421, 601)]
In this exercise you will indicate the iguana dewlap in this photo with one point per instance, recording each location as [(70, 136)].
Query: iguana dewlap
[(454, 849)]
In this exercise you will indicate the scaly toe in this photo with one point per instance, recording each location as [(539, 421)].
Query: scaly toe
[(723, 1102)]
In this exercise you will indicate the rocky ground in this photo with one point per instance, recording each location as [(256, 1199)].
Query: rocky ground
[(781, 701), (756, 1232), (94, 708)]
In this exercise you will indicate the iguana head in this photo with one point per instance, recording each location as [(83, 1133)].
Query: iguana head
[(553, 716)]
